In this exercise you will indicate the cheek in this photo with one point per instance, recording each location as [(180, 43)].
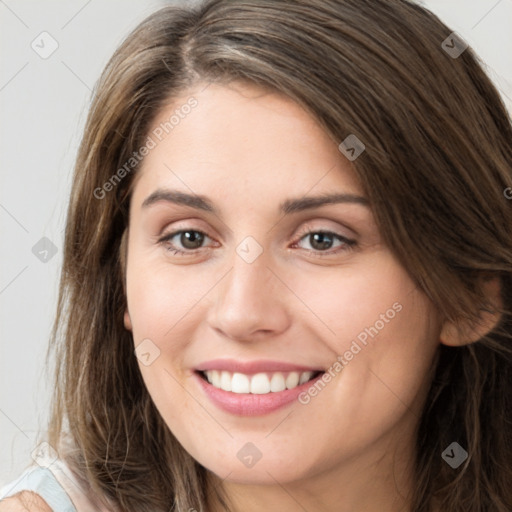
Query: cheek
[(355, 301), (384, 334), (386, 380), (159, 300)]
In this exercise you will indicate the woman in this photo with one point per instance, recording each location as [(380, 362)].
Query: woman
[(287, 270)]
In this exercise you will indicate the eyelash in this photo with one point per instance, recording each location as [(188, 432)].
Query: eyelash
[(347, 243)]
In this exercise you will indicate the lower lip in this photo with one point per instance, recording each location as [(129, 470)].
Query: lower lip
[(248, 404)]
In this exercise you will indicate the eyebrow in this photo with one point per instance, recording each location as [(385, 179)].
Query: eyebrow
[(289, 206)]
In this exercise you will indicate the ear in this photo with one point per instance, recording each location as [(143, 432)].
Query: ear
[(454, 335), (127, 320)]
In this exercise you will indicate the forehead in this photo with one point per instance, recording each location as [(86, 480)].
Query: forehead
[(241, 141)]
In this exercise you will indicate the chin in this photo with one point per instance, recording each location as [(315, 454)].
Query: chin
[(262, 473)]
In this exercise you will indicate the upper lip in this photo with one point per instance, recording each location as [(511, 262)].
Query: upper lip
[(250, 367)]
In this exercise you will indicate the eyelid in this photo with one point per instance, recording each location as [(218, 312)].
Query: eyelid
[(308, 228), (350, 237)]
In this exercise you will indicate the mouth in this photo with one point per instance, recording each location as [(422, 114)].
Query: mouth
[(254, 388), (255, 394), (261, 383)]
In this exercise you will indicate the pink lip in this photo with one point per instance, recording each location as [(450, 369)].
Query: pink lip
[(248, 404), (252, 367)]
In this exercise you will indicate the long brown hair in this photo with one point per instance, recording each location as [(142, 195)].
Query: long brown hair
[(438, 158)]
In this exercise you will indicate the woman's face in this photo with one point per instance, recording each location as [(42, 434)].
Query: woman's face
[(271, 285)]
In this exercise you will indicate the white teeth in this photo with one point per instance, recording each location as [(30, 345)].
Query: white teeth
[(277, 383), (240, 383), (258, 384), (292, 381), (225, 381), (304, 377)]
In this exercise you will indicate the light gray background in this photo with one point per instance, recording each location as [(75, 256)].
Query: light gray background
[(43, 104)]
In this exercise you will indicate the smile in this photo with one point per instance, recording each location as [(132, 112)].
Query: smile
[(259, 383), (254, 388)]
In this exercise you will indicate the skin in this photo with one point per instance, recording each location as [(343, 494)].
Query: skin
[(352, 446), (25, 501)]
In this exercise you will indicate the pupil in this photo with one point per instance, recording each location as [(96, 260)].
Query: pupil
[(191, 239), (321, 240)]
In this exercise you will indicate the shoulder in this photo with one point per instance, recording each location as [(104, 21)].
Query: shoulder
[(24, 501)]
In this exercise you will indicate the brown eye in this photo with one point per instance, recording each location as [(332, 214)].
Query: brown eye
[(184, 240), (191, 239), (322, 241)]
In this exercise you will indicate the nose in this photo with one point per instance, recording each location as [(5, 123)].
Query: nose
[(250, 302)]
